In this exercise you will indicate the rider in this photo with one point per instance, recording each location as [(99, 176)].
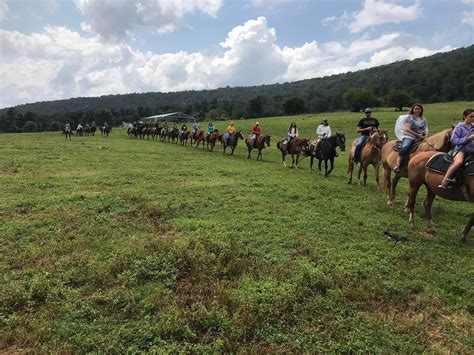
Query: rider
[(196, 127), (322, 132), (79, 126), (67, 127), (292, 134), (105, 125), (210, 128), (230, 131), (184, 128), (365, 127), (409, 128), (463, 138), (255, 132), (93, 124)]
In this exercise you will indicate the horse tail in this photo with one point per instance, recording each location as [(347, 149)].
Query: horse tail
[(279, 145)]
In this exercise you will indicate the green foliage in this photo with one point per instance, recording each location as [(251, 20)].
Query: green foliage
[(117, 245), (398, 99), (294, 106), (29, 126), (358, 99)]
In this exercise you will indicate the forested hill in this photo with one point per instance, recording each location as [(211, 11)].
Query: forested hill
[(440, 77)]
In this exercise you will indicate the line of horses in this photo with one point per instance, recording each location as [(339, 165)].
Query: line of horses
[(87, 131), (377, 151)]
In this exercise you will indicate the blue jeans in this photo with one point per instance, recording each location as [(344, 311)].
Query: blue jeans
[(405, 147), (359, 144)]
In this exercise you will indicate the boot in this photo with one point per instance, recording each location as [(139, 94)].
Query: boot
[(445, 184)]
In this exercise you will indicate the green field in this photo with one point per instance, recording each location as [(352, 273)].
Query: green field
[(113, 245)]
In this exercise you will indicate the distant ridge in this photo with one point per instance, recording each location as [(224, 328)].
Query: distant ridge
[(440, 77)]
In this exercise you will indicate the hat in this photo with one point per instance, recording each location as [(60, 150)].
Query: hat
[(325, 120), (257, 122), (368, 109)]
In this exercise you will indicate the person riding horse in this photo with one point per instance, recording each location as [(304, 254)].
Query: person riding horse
[(196, 127), (184, 128), (463, 139), (230, 131), (409, 129), (365, 127), (323, 131), (292, 134), (255, 133)]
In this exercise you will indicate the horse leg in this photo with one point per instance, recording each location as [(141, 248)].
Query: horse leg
[(430, 196), (359, 172), (311, 164), (259, 155), (377, 173), (413, 191), (283, 155), (325, 168), (248, 157), (393, 188), (350, 169), (365, 175), (332, 166), (233, 148), (467, 228)]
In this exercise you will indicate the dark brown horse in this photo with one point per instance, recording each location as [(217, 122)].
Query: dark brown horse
[(436, 142), (211, 140), (198, 138), (67, 132), (232, 141), (297, 146), (184, 136), (327, 151), (260, 142), (369, 155), (419, 174), (105, 131)]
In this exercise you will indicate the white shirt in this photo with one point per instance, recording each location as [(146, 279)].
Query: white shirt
[(323, 131)]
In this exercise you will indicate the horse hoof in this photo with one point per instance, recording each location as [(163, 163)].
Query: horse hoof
[(432, 231), (463, 239)]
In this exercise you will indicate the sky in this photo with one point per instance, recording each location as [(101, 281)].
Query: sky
[(58, 49)]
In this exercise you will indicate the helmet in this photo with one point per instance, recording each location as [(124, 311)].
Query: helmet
[(257, 122)]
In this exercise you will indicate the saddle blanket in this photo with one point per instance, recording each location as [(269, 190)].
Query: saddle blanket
[(397, 144), (442, 161)]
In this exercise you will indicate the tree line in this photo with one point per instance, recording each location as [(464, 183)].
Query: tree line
[(438, 78)]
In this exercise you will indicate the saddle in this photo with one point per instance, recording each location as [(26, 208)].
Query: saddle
[(441, 162), (414, 147)]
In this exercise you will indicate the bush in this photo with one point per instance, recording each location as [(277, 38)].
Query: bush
[(29, 126)]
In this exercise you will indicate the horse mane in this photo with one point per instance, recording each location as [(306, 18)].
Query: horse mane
[(438, 141)]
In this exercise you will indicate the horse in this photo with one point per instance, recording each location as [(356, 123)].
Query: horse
[(184, 136), (259, 144), (174, 135), (198, 137), (370, 154), (105, 131), (211, 139), (233, 140), (164, 134), (296, 147), (68, 133), (327, 151), (93, 129), (419, 174), (80, 131), (436, 142)]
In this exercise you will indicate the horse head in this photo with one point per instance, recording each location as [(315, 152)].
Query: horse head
[(267, 140), (341, 141), (240, 134), (379, 138)]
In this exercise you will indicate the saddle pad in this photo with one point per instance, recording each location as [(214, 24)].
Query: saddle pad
[(414, 147), (468, 166), (439, 163)]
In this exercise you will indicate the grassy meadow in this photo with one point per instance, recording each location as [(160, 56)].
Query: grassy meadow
[(116, 244)]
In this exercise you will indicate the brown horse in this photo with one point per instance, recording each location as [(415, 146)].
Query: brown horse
[(198, 137), (184, 136), (259, 144), (326, 151), (297, 146), (436, 142), (370, 155), (233, 140), (211, 139), (419, 174), (68, 133)]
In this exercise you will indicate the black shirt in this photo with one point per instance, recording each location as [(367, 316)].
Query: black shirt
[(368, 122)]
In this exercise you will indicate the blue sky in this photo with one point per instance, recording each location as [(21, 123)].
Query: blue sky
[(55, 49)]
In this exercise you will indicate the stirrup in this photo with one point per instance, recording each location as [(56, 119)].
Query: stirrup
[(397, 168), (445, 184)]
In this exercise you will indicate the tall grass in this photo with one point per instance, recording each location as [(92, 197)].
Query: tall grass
[(128, 245)]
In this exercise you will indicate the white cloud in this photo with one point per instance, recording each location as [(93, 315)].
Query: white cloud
[(113, 19), (377, 12), (3, 10), (266, 3), (327, 20), (468, 18), (58, 63)]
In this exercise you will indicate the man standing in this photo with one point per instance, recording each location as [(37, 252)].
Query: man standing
[(366, 125)]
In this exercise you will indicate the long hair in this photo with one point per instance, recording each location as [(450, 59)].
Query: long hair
[(466, 113), (412, 109)]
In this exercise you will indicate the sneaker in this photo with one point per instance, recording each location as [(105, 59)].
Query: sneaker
[(445, 184), (397, 168)]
